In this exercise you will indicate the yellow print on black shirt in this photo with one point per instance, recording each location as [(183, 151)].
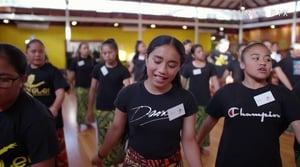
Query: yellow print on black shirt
[(221, 60), (18, 161), (33, 89), (6, 148)]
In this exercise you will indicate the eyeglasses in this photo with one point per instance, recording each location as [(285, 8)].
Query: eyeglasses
[(7, 82)]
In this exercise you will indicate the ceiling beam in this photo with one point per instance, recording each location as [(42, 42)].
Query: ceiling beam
[(256, 3), (29, 17), (46, 18), (219, 3), (268, 23)]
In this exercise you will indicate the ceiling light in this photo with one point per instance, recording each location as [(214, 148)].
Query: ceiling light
[(153, 26), (116, 24), (27, 41), (5, 21), (272, 26), (221, 28), (242, 8), (184, 27), (74, 23)]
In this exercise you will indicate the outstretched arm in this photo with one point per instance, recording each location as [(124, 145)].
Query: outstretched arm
[(296, 128), (206, 127), (71, 77), (112, 136), (283, 78), (59, 99), (91, 99), (126, 82), (184, 82), (189, 143), (130, 69), (215, 82), (226, 73)]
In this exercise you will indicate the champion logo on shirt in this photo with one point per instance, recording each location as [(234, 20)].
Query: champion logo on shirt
[(235, 111)]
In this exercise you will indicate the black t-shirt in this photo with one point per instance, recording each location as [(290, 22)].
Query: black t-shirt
[(139, 68), (42, 83), (254, 121), (291, 67), (199, 80), (82, 68), (110, 83), (237, 72), (27, 133), (151, 133), (221, 60)]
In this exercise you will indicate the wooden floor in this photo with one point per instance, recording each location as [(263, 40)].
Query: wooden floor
[(81, 146)]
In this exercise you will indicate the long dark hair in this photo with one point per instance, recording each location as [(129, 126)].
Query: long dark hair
[(15, 57), (136, 50), (113, 44), (194, 47), (167, 40), (34, 41), (41, 43), (77, 53)]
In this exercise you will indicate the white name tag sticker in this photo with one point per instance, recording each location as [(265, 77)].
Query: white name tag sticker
[(264, 98), (197, 71), (176, 112), (104, 70), (80, 63), (141, 57)]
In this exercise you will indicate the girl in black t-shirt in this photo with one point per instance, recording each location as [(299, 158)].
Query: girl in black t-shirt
[(157, 113), (199, 72), (256, 114), (187, 44), (80, 70), (233, 68), (108, 78), (137, 65), (27, 128), (221, 56), (290, 65), (47, 84)]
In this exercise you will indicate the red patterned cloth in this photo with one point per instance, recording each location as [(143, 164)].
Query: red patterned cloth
[(134, 159), (61, 158)]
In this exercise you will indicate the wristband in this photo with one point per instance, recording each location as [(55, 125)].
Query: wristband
[(100, 156)]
